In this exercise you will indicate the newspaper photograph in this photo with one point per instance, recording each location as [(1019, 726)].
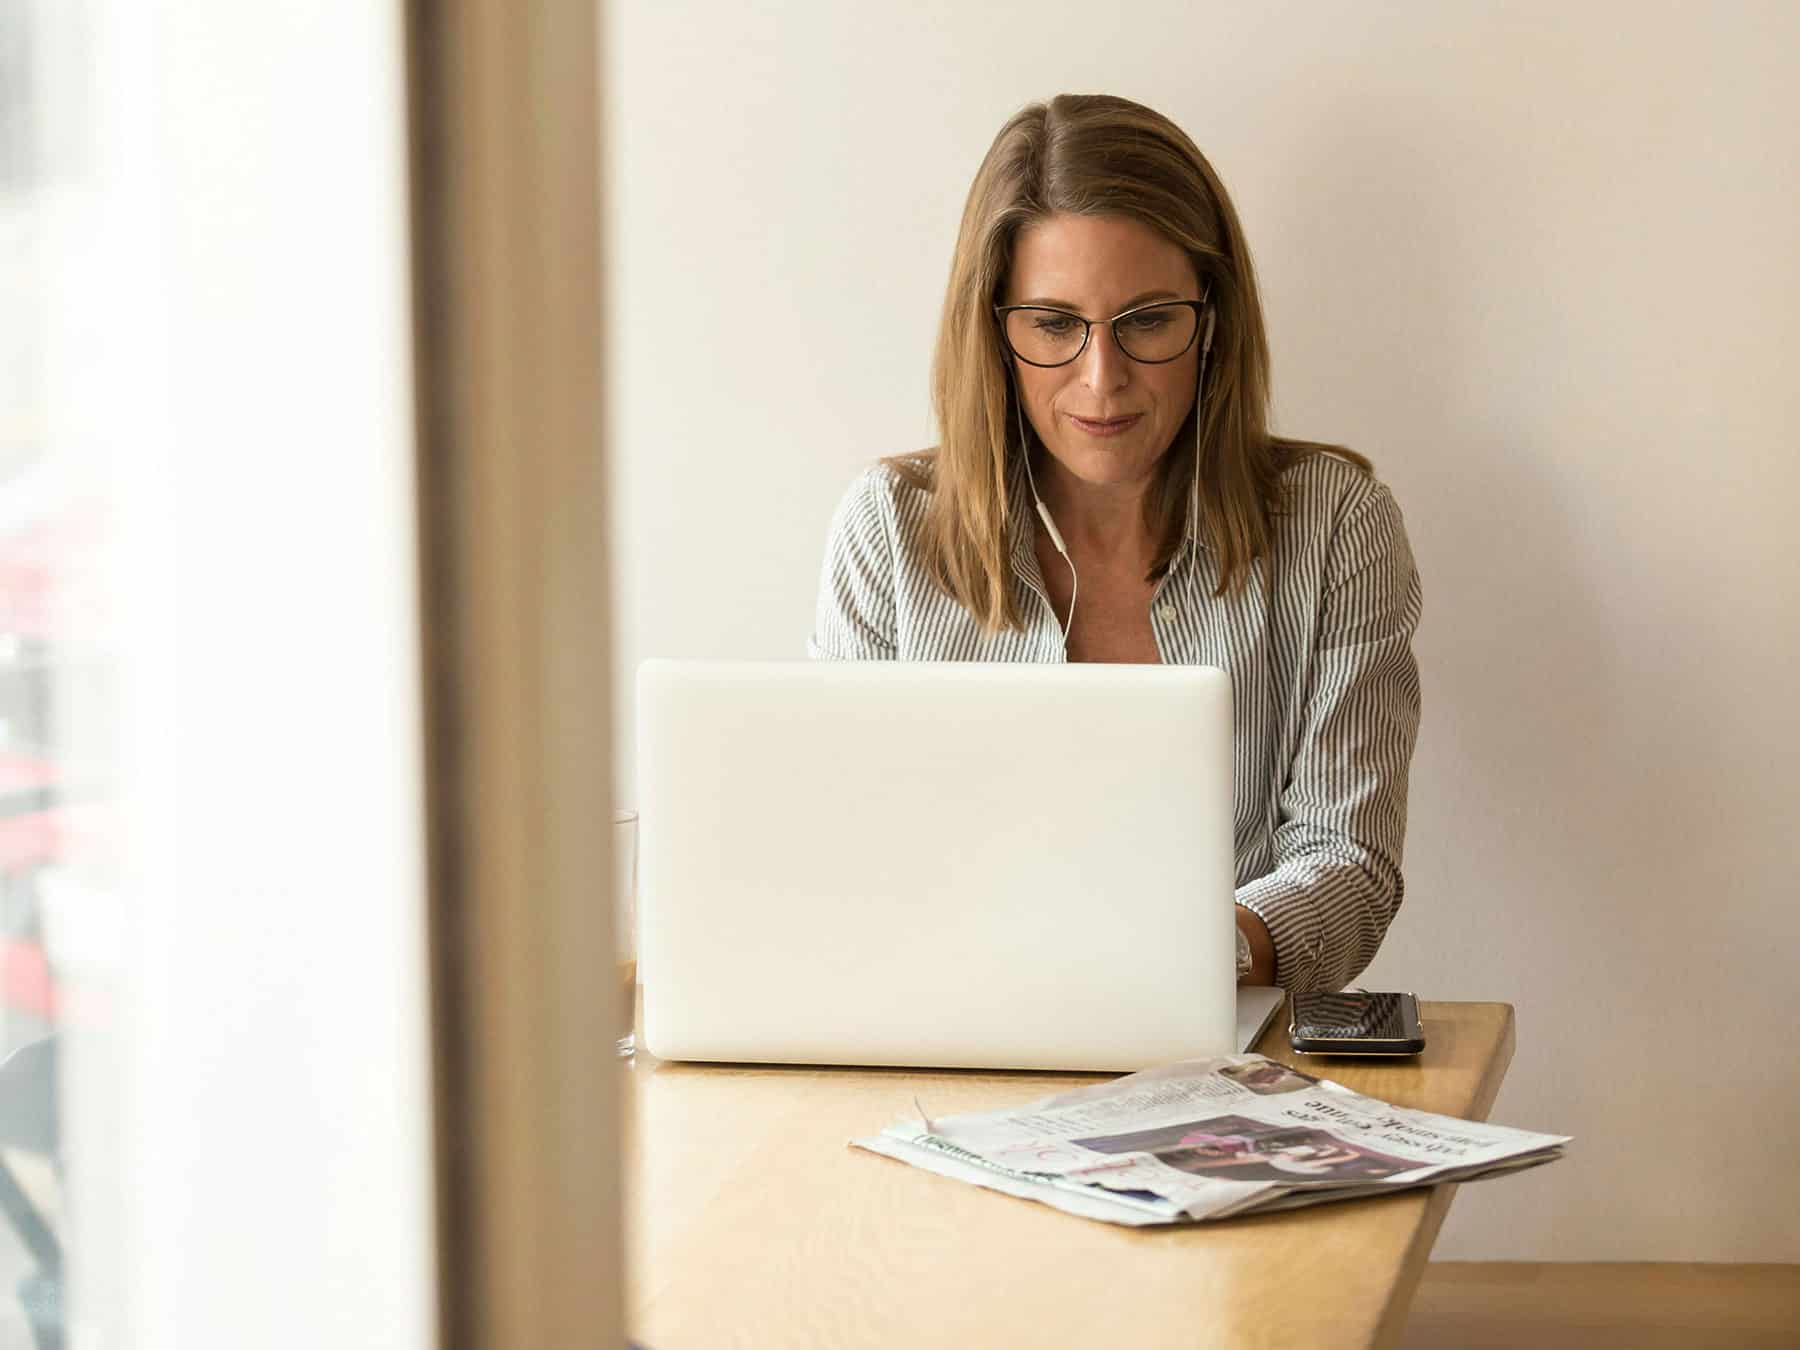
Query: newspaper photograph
[(1207, 1139)]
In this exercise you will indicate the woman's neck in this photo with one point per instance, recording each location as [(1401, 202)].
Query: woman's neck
[(1104, 521)]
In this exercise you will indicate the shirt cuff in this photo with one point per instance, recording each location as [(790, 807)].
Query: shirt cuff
[(1294, 926)]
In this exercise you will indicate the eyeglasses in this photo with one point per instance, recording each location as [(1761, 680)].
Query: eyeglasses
[(1150, 334)]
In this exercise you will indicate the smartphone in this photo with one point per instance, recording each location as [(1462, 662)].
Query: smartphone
[(1356, 1024)]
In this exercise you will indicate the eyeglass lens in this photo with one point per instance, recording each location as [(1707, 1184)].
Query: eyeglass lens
[(1049, 337)]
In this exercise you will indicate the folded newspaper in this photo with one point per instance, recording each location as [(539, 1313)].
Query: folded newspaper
[(1208, 1139)]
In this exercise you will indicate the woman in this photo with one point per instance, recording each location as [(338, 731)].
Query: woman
[(1106, 489)]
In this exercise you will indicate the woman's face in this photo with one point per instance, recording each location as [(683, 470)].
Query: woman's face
[(1104, 418)]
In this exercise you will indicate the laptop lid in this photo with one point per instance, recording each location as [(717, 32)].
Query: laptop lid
[(936, 864)]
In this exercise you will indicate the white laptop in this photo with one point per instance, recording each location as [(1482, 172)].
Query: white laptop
[(925, 864)]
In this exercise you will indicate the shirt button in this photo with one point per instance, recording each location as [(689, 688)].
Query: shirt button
[(1166, 612)]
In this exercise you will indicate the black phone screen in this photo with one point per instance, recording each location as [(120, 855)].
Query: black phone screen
[(1356, 1017)]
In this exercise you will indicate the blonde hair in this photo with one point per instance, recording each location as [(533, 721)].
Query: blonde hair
[(1096, 155)]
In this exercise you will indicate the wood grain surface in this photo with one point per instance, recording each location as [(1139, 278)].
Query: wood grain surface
[(1631, 1305), (1627, 1305), (751, 1222)]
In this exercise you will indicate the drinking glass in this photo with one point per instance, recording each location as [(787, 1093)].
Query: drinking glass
[(625, 832)]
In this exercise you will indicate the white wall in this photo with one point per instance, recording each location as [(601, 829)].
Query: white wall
[(1539, 262)]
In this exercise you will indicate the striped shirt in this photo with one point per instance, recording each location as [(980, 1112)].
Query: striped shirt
[(1318, 645)]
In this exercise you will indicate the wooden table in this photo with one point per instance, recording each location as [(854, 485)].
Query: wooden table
[(751, 1222)]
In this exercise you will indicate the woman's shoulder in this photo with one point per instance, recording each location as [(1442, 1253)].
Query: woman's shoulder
[(904, 477), (894, 490), (1323, 488), (885, 498), (1337, 519)]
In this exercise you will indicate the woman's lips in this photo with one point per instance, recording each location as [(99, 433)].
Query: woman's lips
[(1110, 426)]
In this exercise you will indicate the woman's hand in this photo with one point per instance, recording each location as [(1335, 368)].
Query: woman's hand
[(1262, 948)]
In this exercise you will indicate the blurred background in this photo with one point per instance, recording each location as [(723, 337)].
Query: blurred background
[(214, 1102), (1537, 261)]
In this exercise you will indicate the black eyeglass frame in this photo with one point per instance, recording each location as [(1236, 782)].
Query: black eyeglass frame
[(1087, 332)]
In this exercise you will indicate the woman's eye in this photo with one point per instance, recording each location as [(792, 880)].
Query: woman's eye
[(1149, 322), (1055, 325)]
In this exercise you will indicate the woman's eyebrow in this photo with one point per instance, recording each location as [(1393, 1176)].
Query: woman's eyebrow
[(1050, 302)]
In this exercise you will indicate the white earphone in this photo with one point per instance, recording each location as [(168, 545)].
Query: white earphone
[(1049, 524), (1194, 487), (1043, 511)]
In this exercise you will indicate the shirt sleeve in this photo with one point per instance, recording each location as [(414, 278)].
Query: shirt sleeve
[(1337, 884), (855, 620)]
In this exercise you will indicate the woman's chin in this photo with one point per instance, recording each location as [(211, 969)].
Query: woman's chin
[(1106, 465)]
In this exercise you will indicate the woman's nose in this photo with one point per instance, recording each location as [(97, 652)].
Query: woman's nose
[(1103, 365)]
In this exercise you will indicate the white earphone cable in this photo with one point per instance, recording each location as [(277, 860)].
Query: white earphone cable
[(1043, 511), (1194, 487)]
